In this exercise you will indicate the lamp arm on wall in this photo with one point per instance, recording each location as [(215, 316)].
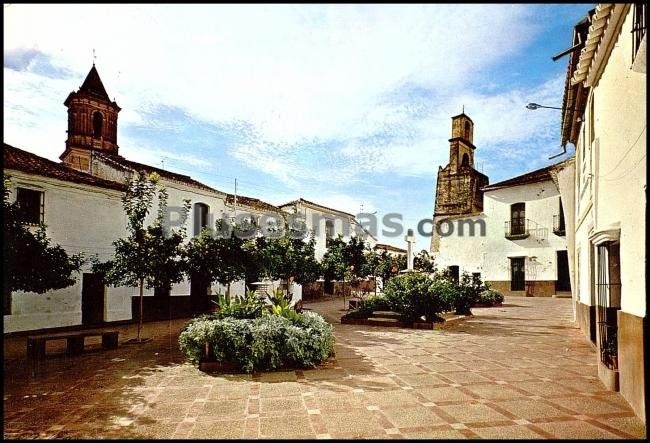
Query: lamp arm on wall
[(561, 153)]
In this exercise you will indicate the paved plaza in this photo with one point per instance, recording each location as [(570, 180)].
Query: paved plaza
[(518, 371)]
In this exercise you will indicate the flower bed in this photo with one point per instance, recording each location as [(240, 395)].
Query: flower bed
[(276, 338), (420, 301)]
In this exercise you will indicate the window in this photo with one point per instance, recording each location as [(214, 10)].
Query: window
[(592, 119), (638, 28), (609, 301), (454, 273), (201, 211), (98, 123), (467, 130), (329, 228), (517, 274), (558, 221), (465, 161), (30, 206), (518, 219)]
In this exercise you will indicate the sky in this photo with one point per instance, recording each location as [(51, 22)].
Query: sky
[(345, 105)]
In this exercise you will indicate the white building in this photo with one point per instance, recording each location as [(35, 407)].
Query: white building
[(605, 119), (389, 249), (80, 202), (327, 223), (510, 233)]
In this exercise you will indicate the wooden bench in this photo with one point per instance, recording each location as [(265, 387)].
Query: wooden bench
[(75, 343)]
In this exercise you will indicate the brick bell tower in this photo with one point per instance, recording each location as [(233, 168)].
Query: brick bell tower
[(92, 123), (458, 189)]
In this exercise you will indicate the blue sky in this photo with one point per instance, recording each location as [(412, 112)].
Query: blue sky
[(346, 105)]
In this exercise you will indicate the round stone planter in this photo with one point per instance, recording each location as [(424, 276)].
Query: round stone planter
[(217, 366), (483, 305)]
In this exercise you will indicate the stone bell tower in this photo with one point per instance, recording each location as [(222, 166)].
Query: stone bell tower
[(458, 189), (92, 123)]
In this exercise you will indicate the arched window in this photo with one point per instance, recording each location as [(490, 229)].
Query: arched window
[(201, 211), (467, 129), (465, 161), (98, 123)]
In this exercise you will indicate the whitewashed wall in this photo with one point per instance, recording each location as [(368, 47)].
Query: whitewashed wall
[(340, 220), (616, 160), (81, 219), (542, 203), (489, 255)]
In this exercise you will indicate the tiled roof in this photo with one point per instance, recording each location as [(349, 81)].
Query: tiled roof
[(24, 161), (252, 203), (121, 162), (536, 176), (575, 95), (302, 200), (389, 248), (596, 30)]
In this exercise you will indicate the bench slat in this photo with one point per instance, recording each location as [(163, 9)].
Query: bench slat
[(61, 335)]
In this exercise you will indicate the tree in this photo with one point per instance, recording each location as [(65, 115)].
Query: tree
[(30, 262), (346, 261), (288, 258), (149, 255), (333, 263), (424, 262), (212, 257), (389, 266)]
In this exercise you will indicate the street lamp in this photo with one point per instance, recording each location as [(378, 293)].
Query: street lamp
[(534, 106)]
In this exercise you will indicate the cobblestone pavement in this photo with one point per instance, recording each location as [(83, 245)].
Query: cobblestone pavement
[(517, 371)]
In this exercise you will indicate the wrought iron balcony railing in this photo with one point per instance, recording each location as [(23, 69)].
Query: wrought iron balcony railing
[(558, 225), (517, 229)]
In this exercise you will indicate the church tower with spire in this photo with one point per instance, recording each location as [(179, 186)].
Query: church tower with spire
[(92, 123), (458, 188)]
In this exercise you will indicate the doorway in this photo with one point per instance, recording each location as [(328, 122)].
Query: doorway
[(517, 274), (92, 299), (563, 282)]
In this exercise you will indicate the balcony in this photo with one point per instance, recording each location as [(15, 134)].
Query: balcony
[(517, 230), (558, 225)]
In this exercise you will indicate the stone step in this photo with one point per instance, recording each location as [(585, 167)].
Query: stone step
[(385, 314)]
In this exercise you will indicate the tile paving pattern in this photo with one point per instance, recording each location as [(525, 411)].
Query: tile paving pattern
[(518, 371)]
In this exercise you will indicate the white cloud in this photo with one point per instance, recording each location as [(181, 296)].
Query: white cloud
[(294, 72), (322, 90)]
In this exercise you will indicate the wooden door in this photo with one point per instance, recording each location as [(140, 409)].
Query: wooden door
[(518, 274)]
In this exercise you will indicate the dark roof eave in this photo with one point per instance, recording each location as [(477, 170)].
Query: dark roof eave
[(26, 162)]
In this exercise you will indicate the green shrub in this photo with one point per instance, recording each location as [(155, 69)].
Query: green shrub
[(468, 293), (247, 306), (267, 342), (414, 295), (490, 297), (376, 303), (361, 312)]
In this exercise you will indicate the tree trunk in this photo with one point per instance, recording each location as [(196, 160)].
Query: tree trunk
[(141, 307)]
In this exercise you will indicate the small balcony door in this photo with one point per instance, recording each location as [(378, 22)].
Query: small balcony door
[(518, 219)]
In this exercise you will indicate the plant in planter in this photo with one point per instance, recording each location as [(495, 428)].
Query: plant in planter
[(416, 295), (247, 306), (267, 342), (490, 297), (468, 293)]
